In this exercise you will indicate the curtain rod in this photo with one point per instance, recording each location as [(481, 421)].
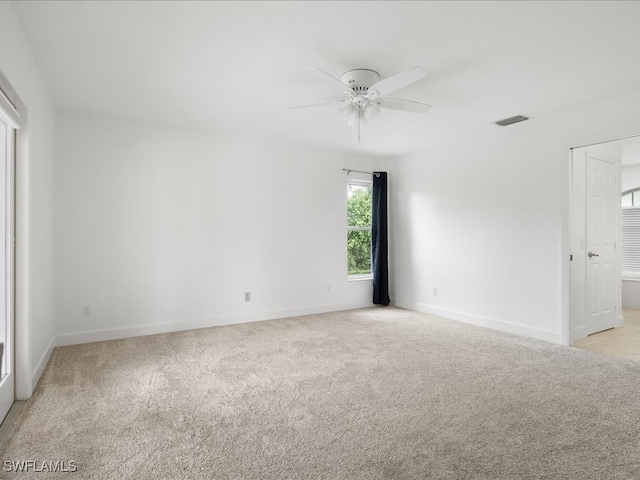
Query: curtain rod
[(349, 170)]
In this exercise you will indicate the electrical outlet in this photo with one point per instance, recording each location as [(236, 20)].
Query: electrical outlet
[(86, 310), (247, 296), (435, 292)]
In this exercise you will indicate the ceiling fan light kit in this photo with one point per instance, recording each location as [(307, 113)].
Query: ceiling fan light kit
[(366, 94)]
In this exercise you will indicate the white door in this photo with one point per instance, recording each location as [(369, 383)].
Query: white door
[(7, 380), (603, 196)]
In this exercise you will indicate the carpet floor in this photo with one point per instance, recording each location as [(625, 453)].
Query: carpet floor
[(376, 393)]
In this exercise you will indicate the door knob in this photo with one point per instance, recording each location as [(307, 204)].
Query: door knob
[(591, 254)]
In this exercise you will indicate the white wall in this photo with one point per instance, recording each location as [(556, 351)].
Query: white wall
[(482, 215), (477, 217), (631, 294), (35, 329), (161, 229), (630, 177)]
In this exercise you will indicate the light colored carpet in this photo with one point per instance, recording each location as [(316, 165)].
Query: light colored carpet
[(363, 394)]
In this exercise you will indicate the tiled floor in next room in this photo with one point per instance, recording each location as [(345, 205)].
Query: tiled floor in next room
[(621, 342)]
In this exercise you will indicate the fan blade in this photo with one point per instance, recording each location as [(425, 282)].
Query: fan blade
[(333, 102), (396, 82), (403, 105), (335, 81)]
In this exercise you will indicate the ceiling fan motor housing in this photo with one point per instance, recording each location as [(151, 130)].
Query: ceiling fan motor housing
[(360, 79)]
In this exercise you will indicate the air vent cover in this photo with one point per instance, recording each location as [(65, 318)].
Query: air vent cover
[(511, 120)]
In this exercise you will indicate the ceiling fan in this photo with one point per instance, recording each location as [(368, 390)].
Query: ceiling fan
[(365, 94)]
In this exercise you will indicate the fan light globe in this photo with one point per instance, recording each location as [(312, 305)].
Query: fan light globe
[(371, 111)]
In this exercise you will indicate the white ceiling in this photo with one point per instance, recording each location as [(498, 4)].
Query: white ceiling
[(235, 66)]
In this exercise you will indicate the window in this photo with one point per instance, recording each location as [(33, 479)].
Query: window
[(630, 235), (631, 198), (359, 228)]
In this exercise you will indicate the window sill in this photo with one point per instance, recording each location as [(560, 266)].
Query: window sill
[(359, 278), (631, 277)]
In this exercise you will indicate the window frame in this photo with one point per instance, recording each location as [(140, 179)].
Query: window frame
[(634, 192), (359, 182)]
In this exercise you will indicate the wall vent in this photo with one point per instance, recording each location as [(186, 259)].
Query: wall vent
[(511, 120)]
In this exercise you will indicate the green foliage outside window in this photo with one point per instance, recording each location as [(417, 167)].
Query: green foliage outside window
[(359, 229)]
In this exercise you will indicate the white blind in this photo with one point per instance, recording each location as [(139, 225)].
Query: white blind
[(8, 104), (630, 241)]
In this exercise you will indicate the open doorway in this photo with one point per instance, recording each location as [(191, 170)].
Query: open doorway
[(605, 242)]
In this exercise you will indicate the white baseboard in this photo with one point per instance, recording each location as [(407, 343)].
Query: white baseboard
[(152, 329), (494, 324), (42, 363)]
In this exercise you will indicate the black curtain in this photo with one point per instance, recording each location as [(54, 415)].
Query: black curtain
[(379, 247)]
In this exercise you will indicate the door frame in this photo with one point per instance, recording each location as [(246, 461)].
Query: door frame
[(566, 175), (9, 262), (23, 376), (8, 115)]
